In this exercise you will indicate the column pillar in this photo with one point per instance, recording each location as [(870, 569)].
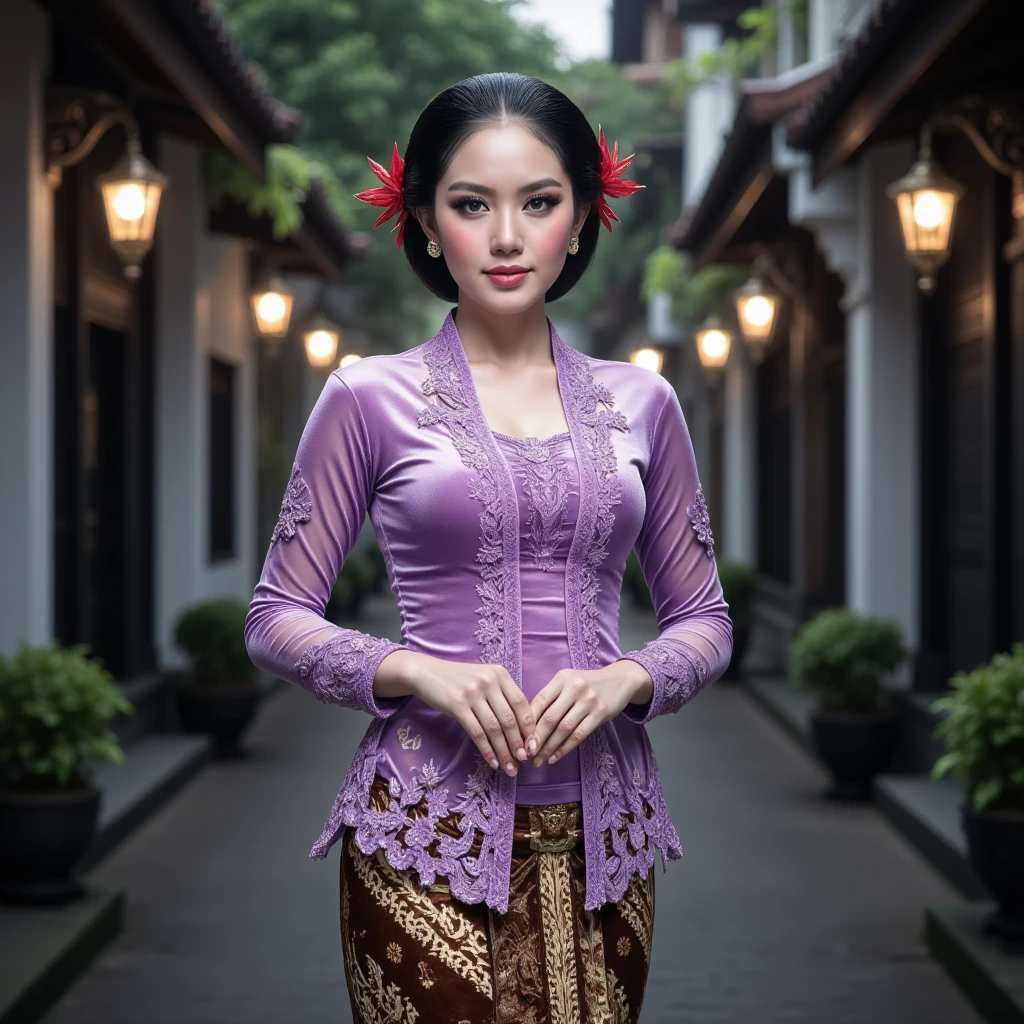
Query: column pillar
[(26, 333)]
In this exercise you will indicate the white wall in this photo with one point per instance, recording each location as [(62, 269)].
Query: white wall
[(709, 115), (201, 310), (26, 333)]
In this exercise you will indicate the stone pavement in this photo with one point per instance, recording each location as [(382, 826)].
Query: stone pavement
[(783, 908)]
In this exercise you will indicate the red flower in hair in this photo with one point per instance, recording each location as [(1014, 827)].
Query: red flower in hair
[(611, 183), (390, 195)]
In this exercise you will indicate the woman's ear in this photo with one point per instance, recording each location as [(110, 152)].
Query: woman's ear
[(581, 219), (424, 216)]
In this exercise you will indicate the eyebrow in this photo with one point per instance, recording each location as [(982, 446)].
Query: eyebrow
[(472, 186)]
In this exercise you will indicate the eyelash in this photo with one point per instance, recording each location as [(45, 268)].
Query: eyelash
[(459, 204)]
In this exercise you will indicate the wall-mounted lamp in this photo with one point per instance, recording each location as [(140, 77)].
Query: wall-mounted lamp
[(321, 338), (757, 309), (713, 343), (131, 189), (272, 308), (647, 357), (927, 199)]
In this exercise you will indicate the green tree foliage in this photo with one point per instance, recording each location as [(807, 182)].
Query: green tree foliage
[(362, 70)]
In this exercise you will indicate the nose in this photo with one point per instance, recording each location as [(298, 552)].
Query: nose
[(507, 236)]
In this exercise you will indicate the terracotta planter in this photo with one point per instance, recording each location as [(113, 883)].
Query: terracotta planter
[(43, 835), (995, 844), (223, 712), (854, 746)]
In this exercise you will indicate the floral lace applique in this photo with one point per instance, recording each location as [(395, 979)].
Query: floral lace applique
[(546, 478), (698, 513), (334, 670), (296, 507)]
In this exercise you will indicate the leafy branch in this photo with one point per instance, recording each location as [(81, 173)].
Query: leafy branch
[(694, 296), (290, 171), (737, 56)]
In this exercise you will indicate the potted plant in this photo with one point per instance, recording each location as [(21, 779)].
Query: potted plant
[(739, 586), (983, 733), (221, 694), (55, 710), (844, 656)]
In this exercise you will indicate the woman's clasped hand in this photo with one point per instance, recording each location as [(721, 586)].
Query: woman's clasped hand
[(506, 727)]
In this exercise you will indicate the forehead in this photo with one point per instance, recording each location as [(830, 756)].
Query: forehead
[(503, 157)]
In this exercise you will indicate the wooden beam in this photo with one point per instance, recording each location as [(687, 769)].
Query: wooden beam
[(888, 81)]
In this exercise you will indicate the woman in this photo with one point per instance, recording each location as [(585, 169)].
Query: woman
[(500, 819)]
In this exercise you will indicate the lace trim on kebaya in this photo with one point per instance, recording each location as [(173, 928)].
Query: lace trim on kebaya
[(546, 478), (682, 674), (296, 507), (336, 670), (698, 513)]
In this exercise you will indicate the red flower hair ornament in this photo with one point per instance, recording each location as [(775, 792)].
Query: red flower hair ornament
[(391, 193)]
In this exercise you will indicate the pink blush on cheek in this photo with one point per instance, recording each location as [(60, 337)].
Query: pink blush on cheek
[(462, 247)]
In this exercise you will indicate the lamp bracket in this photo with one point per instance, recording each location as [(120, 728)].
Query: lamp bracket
[(782, 269), (994, 125), (76, 120)]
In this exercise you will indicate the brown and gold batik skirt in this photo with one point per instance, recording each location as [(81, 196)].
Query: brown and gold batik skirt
[(415, 954)]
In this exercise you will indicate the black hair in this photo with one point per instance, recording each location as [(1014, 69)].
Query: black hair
[(496, 98)]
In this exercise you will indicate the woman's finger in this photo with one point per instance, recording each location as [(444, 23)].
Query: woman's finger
[(495, 735), (520, 708), (562, 733), (506, 717), (468, 720), (582, 730), (548, 721)]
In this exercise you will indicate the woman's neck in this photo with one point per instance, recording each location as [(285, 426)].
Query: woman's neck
[(508, 340)]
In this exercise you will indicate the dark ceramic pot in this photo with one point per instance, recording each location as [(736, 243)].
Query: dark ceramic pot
[(43, 835), (854, 746), (223, 712), (995, 844), (740, 637)]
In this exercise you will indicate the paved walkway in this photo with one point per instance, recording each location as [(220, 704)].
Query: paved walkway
[(783, 908)]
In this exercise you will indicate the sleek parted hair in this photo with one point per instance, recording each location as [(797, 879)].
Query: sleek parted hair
[(491, 100)]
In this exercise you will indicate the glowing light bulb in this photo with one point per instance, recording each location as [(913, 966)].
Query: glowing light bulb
[(130, 202), (759, 311), (929, 210), (271, 307)]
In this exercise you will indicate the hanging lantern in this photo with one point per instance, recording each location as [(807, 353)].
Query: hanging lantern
[(926, 199), (321, 337), (757, 308), (272, 308), (348, 357), (131, 192), (713, 343), (649, 358)]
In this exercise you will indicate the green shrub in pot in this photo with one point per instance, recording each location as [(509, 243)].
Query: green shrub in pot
[(983, 732), (844, 657), (56, 705), (222, 692), (211, 633)]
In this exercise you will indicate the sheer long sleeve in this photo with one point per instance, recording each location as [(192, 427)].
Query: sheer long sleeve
[(676, 553), (322, 513)]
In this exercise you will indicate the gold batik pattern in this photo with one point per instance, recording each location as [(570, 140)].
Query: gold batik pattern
[(377, 1002), (637, 907), (447, 934), (559, 953)]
